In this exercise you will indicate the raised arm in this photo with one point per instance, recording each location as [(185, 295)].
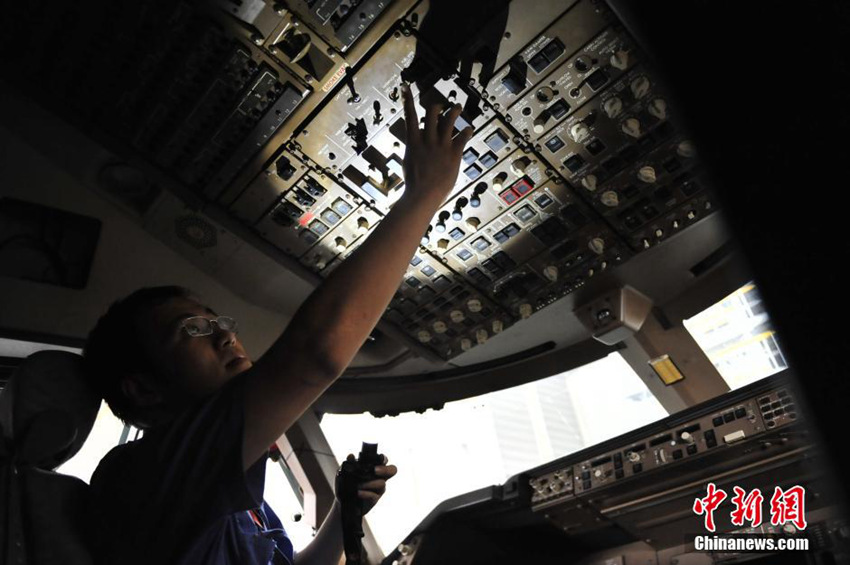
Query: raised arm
[(332, 324)]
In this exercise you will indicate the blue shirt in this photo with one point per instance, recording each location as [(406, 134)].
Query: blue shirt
[(179, 494)]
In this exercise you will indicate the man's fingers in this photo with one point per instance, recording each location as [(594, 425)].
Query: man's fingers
[(386, 471), (377, 485), (432, 115), (447, 122), (369, 495), (463, 137), (410, 117)]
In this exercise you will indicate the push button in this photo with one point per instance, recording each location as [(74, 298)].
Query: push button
[(496, 140)]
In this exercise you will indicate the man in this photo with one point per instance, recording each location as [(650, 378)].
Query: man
[(190, 491)]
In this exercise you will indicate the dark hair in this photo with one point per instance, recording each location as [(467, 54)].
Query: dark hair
[(115, 347)]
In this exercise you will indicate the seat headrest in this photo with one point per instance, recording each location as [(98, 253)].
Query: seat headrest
[(47, 409)]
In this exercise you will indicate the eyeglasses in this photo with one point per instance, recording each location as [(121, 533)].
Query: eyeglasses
[(198, 326)]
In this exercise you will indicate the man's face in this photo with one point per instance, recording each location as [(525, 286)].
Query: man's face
[(193, 366)]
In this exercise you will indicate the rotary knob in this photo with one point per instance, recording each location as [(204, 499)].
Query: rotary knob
[(499, 181), (424, 336), (474, 305), (598, 473), (465, 344), (545, 94), (497, 326), (647, 175), (633, 456), (340, 244), (589, 182), (481, 336), (612, 107), (620, 60), (687, 437), (609, 198), (551, 272), (579, 132), (440, 327), (658, 108), (456, 316), (525, 310), (473, 223), (640, 87), (597, 245), (443, 243), (362, 224), (520, 165), (631, 127)]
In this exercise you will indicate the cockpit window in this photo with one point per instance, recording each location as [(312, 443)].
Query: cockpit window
[(482, 441), (737, 336)]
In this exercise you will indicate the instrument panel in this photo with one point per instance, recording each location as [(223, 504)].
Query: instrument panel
[(630, 499), (287, 116)]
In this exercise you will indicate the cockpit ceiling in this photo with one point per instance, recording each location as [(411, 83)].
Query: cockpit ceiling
[(277, 127)]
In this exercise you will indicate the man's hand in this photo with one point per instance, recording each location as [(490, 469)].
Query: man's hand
[(432, 157), (371, 492)]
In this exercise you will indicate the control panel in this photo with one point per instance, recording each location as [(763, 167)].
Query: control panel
[(714, 430), (287, 117)]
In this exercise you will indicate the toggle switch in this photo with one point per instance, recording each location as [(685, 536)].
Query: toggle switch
[(479, 189), (658, 108), (597, 245), (640, 87), (620, 60), (460, 204), (609, 198), (612, 107), (686, 149), (579, 132), (589, 182), (647, 174), (539, 124), (441, 221), (631, 127)]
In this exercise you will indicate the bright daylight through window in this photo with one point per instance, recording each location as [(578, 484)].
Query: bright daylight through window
[(737, 336), (482, 441)]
